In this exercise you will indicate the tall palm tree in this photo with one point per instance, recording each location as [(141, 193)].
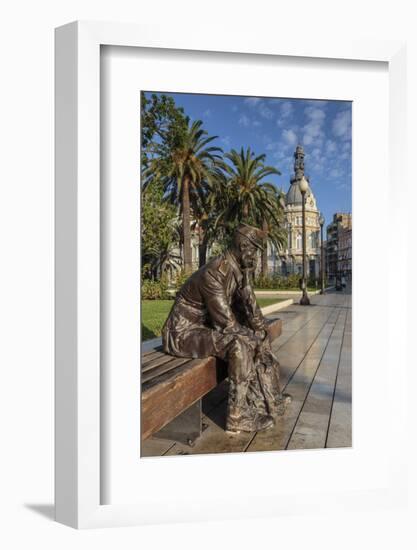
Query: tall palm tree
[(252, 199), (208, 209), (188, 167)]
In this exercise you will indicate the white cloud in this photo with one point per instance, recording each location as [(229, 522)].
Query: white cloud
[(331, 147), (272, 145), (342, 186), (226, 141), (285, 162), (279, 153), (317, 102), (285, 112), (286, 109), (265, 111), (313, 134), (244, 121), (313, 129), (335, 173), (252, 101), (289, 136), (260, 106), (313, 113), (256, 123), (342, 125)]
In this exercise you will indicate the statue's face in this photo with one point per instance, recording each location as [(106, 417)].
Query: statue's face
[(248, 254)]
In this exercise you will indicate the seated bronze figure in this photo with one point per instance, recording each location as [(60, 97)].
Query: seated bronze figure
[(215, 314)]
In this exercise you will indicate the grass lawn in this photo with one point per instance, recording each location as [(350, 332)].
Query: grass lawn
[(309, 288), (154, 313), (263, 302)]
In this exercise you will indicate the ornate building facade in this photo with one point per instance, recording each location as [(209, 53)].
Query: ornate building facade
[(345, 253), (339, 246), (290, 261)]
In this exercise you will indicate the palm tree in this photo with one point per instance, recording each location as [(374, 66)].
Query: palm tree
[(166, 260), (189, 166), (252, 199), (208, 208)]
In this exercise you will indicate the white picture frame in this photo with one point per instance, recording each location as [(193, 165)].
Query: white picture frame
[(78, 265)]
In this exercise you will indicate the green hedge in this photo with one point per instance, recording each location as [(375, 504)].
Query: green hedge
[(158, 290), (155, 290), (279, 282), (180, 279)]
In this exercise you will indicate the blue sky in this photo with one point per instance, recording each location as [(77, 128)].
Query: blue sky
[(275, 126)]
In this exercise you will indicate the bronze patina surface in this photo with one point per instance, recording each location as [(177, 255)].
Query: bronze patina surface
[(215, 314)]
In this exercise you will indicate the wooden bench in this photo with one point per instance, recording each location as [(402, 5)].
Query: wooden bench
[(172, 389)]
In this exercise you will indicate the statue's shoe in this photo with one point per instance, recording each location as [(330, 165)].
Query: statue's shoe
[(279, 407), (245, 424), (264, 422)]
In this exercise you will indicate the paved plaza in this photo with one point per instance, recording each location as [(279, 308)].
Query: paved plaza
[(314, 351)]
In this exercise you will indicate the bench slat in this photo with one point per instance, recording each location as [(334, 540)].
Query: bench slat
[(156, 361), (151, 355), (153, 350), (162, 369)]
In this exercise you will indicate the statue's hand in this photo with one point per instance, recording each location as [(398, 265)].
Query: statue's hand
[(246, 293), (261, 334), (264, 353), (247, 276)]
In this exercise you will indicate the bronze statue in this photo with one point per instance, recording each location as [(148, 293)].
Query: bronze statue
[(215, 314)]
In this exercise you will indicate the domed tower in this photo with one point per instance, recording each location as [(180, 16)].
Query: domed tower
[(291, 258), (294, 196)]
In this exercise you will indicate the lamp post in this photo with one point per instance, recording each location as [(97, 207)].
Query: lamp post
[(321, 222), (303, 188)]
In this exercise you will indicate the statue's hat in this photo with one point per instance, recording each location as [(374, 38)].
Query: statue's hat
[(253, 234)]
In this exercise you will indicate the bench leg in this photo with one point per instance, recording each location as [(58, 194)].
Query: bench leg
[(186, 427)]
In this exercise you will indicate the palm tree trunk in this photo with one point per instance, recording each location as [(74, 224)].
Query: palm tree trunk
[(202, 252), (264, 265), (186, 222), (202, 244)]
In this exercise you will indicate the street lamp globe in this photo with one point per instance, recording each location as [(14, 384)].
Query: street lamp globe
[(303, 184), (321, 220)]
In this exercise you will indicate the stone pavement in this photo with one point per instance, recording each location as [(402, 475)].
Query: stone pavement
[(314, 351)]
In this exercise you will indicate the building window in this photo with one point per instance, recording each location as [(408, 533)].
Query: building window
[(299, 245)]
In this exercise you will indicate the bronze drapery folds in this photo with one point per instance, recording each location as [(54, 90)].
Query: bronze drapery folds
[(216, 314)]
